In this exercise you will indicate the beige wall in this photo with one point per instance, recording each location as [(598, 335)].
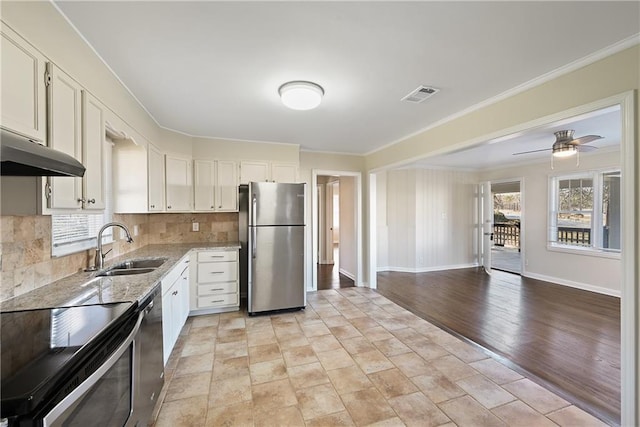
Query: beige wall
[(610, 76), (347, 250), (223, 149)]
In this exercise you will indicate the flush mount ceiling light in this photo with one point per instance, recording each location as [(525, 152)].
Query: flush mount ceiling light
[(301, 95)]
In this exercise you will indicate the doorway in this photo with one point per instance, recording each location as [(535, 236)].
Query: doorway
[(506, 251), (336, 229), (329, 270)]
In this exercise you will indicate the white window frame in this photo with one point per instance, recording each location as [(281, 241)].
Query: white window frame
[(95, 221), (596, 175)]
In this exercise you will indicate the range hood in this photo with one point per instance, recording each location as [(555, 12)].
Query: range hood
[(22, 157)]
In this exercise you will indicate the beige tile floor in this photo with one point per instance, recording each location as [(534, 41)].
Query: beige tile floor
[(351, 358)]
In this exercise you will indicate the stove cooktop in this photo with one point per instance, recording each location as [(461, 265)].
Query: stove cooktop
[(39, 347)]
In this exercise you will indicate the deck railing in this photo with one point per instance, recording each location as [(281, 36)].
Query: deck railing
[(574, 236), (506, 234)]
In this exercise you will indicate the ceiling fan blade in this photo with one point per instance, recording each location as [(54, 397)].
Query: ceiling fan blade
[(533, 151), (585, 148), (585, 139)]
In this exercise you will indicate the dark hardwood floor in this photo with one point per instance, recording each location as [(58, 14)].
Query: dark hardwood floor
[(565, 338), (329, 277)]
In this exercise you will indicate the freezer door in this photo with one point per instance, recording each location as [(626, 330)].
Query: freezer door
[(276, 268), (272, 203)]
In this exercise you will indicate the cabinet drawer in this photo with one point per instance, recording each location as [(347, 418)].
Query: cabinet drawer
[(217, 288), (217, 256), (217, 272), (218, 300)]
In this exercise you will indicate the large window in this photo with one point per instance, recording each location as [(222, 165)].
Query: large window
[(585, 211), (77, 232)]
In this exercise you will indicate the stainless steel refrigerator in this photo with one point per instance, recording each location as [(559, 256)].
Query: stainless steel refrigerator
[(272, 228)]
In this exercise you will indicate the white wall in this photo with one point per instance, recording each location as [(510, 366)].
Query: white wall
[(382, 229), (584, 271), (348, 261), (431, 219)]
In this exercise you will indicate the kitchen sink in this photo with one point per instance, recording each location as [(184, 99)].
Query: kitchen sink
[(139, 263), (134, 266), (125, 272)]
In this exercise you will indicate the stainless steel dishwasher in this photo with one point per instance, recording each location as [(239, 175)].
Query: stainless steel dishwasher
[(149, 367)]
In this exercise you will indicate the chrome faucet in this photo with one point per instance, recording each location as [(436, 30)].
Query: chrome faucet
[(99, 261)]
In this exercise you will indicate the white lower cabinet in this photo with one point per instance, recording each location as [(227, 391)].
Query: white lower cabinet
[(215, 281), (175, 305)]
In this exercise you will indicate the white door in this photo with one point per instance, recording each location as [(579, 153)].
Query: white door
[(486, 224)]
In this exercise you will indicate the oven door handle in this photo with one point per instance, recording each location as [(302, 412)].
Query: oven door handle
[(71, 398)]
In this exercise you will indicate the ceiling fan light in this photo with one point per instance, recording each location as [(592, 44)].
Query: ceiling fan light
[(564, 150), (301, 95)]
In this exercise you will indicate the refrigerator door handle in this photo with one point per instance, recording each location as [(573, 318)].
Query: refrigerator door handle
[(254, 206), (253, 242)]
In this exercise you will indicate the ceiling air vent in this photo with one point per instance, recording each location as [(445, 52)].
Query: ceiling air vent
[(420, 94)]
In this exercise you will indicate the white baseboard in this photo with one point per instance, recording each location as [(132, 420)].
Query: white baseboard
[(427, 269), (572, 284), (349, 275)]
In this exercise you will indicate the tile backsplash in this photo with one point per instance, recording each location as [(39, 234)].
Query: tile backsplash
[(25, 244)]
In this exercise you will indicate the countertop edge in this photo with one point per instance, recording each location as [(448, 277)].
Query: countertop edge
[(84, 288)]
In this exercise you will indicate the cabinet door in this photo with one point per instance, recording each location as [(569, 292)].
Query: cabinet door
[(167, 329), (156, 179), (203, 185), (184, 298), (64, 102), (227, 186), (254, 172), (178, 182), (93, 146), (23, 87), (284, 173)]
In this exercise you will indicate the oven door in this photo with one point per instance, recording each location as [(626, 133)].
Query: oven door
[(103, 399)]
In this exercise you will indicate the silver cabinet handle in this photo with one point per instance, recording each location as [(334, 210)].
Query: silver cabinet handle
[(217, 272), (216, 256), (169, 207), (218, 300), (91, 201), (82, 200)]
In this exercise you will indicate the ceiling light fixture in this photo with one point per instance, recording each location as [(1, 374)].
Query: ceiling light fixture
[(301, 95), (561, 149)]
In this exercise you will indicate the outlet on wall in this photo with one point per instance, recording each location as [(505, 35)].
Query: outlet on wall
[(195, 226), (136, 230)]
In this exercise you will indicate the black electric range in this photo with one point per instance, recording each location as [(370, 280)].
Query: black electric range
[(47, 353)]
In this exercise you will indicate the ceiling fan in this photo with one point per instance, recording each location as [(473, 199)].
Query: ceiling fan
[(566, 145)]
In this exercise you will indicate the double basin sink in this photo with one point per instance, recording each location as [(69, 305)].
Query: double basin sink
[(134, 266)]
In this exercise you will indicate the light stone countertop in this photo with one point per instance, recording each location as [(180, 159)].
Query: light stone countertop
[(70, 291)]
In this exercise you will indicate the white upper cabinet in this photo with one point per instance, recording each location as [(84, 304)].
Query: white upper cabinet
[(178, 184), (93, 146), (23, 94), (284, 172), (204, 175), (215, 185), (155, 179), (227, 186), (64, 98), (254, 172), (251, 171)]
